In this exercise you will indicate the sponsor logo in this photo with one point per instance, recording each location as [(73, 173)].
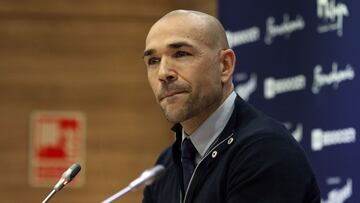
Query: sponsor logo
[(333, 180), (335, 77), (297, 133), (245, 89), (283, 29), (243, 36), (332, 15), (321, 139), (339, 195), (273, 86)]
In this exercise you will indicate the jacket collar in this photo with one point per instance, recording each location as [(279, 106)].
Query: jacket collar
[(240, 114)]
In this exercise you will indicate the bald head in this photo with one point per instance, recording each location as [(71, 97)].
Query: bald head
[(205, 27)]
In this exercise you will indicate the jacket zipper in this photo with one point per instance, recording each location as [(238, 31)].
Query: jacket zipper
[(205, 156)]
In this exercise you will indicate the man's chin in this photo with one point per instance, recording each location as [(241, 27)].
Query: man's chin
[(175, 112), (174, 117)]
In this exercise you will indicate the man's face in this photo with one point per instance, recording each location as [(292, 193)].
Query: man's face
[(183, 68)]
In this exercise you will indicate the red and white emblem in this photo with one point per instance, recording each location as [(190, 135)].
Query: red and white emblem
[(56, 142)]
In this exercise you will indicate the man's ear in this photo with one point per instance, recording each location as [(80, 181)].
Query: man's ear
[(228, 60)]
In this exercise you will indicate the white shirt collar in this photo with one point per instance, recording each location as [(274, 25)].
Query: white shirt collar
[(210, 129)]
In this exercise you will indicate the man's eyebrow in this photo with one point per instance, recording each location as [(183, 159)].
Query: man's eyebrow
[(148, 52), (177, 45), (174, 45)]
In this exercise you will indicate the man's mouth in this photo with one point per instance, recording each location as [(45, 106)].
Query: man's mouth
[(169, 94)]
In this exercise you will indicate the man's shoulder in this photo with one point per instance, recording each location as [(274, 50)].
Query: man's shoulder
[(253, 124), (258, 133), (264, 126)]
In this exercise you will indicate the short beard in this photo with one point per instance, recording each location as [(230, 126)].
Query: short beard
[(184, 113), (192, 108)]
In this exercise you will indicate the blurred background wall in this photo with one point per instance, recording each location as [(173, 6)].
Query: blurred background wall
[(81, 56)]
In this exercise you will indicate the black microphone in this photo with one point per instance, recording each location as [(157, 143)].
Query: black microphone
[(148, 177), (66, 177)]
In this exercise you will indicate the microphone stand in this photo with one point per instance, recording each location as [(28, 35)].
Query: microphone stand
[(118, 195), (49, 196), (66, 177)]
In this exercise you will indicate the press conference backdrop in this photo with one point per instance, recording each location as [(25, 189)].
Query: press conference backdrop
[(299, 62)]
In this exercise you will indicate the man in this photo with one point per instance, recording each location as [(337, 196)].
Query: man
[(225, 150)]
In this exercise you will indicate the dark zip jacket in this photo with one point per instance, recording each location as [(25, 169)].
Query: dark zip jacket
[(254, 160)]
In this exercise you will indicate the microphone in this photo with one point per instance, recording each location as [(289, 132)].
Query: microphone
[(66, 177), (148, 177)]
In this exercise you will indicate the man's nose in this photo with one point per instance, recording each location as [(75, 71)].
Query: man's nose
[(167, 72)]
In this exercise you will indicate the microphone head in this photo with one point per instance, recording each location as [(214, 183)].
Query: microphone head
[(154, 174), (67, 176), (71, 172), (149, 176)]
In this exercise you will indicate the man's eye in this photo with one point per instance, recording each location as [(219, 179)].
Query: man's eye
[(153, 61), (181, 54)]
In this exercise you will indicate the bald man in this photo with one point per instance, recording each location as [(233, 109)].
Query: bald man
[(225, 149)]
